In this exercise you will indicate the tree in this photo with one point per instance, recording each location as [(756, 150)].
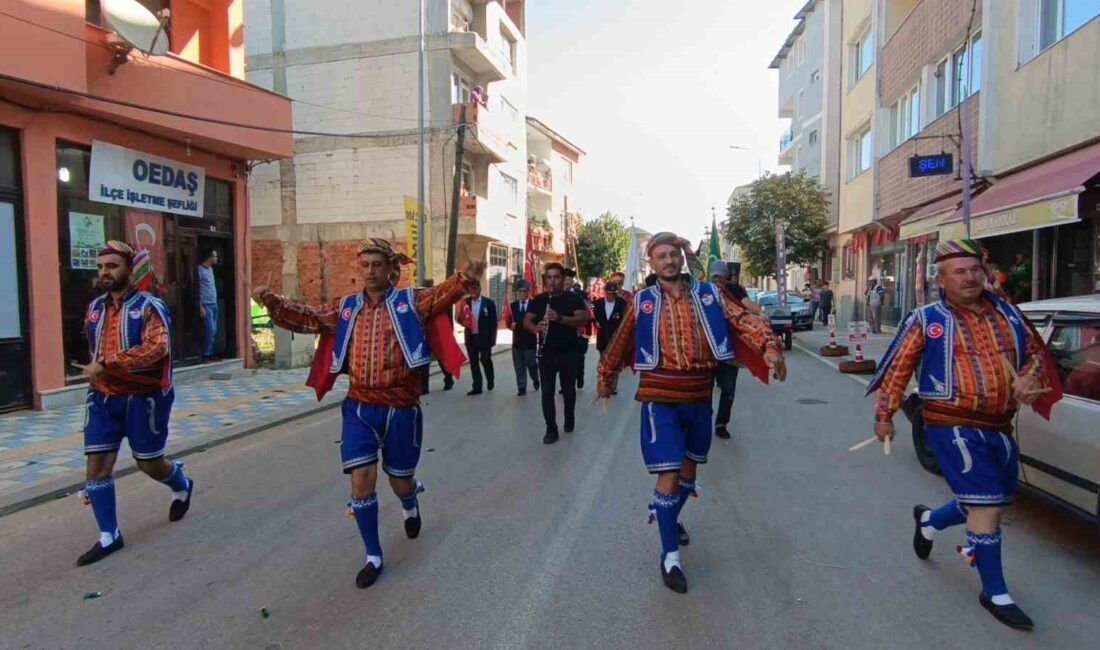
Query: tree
[(602, 246), (795, 200)]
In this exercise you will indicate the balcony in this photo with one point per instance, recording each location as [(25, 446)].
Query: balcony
[(483, 138), (467, 205), (474, 53), (539, 180), (542, 241), (786, 152)]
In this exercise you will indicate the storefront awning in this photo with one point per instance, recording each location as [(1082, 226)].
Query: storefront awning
[(1038, 197), (926, 220)]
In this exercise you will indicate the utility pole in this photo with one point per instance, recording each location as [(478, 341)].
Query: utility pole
[(421, 275), (452, 225)]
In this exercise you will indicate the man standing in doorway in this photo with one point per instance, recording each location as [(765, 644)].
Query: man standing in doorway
[(875, 294), (208, 304), (554, 317), (523, 342), (479, 317), (826, 304)]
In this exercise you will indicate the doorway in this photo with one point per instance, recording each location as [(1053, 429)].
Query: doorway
[(15, 344)]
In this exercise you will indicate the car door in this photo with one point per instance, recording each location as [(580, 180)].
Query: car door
[(1062, 457)]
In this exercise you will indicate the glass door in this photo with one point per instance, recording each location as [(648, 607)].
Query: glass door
[(15, 379)]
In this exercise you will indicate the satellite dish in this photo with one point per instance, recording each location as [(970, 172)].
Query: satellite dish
[(138, 26)]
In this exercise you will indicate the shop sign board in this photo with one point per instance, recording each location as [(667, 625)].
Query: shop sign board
[(857, 331), (86, 239), (940, 164), (135, 179), (411, 231)]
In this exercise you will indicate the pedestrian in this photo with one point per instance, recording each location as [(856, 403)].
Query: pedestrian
[(815, 301), (971, 386), (130, 395), (674, 335), (377, 337), (554, 317), (826, 304), (608, 313), (208, 304), (875, 294), (479, 317), (725, 374), (523, 342), (619, 278)]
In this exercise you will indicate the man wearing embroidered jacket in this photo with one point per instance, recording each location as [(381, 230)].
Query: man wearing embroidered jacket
[(130, 395), (978, 361), (675, 333), (380, 342)]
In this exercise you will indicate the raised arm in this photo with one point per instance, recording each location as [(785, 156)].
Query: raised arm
[(751, 328), (300, 317), (438, 299)]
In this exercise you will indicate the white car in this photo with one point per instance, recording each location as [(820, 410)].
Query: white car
[(1059, 459)]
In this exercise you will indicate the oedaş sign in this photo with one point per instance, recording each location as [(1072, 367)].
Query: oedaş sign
[(135, 179)]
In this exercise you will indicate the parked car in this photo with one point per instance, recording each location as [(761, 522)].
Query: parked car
[(1059, 459), (753, 292), (795, 317)]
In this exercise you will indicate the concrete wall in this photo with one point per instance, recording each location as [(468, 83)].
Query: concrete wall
[(857, 110), (1047, 102)]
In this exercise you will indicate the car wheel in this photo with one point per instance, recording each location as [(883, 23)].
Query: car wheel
[(787, 340)]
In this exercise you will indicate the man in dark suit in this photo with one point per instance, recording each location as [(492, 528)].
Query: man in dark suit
[(572, 285), (524, 343), (479, 317), (608, 312)]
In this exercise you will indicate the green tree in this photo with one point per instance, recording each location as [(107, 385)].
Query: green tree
[(602, 246), (798, 202)]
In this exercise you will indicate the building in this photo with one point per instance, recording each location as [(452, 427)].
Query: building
[(552, 163), (809, 64), (311, 212), (92, 139)]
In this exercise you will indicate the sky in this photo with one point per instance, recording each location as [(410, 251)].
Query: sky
[(655, 93)]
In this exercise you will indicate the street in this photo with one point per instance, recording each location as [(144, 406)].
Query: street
[(795, 542)]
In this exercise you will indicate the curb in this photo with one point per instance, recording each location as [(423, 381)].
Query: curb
[(62, 487)]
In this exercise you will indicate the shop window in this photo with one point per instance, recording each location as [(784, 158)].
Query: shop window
[(1075, 345), (848, 262), (498, 273)]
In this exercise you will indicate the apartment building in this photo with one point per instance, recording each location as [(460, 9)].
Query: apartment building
[(552, 163), (809, 65), (356, 74), (90, 132)]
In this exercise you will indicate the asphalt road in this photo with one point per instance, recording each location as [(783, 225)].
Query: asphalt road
[(796, 543)]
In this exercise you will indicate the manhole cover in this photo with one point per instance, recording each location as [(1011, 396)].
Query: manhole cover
[(810, 400)]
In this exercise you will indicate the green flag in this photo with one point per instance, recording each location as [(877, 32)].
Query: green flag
[(714, 250)]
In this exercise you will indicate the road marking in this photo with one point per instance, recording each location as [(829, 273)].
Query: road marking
[(825, 361)]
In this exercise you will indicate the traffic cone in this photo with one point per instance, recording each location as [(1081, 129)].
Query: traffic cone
[(834, 350), (858, 366)]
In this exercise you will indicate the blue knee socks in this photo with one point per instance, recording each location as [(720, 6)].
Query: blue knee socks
[(947, 515), (687, 489), (366, 517), (987, 560), (410, 504), (177, 481), (101, 496), (664, 508)]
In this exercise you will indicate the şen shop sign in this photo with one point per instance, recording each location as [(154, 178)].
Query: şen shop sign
[(136, 179)]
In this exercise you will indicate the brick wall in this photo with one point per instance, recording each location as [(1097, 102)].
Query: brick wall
[(896, 191), (326, 270), (933, 29), (267, 261)]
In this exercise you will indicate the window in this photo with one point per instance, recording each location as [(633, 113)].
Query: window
[(860, 153), (511, 193), (509, 52), (567, 170), (848, 262), (498, 274), (1060, 18), (1075, 346), (508, 109), (467, 179), (813, 137), (975, 74), (905, 117), (863, 55), (941, 82), (800, 49), (798, 104), (460, 89)]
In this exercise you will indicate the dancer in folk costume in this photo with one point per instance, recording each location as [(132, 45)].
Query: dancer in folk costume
[(130, 391), (381, 337), (977, 360), (675, 333)]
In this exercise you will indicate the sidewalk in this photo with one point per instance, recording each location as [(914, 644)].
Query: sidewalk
[(42, 452), (818, 338)]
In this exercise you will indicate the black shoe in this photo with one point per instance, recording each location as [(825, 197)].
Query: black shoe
[(551, 437), (412, 526), (179, 508), (675, 579), (522, 392), (722, 432), (682, 535), (448, 385), (1010, 615), (367, 576), (476, 391), (537, 385), (489, 384), (921, 546), (569, 427), (97, 552)]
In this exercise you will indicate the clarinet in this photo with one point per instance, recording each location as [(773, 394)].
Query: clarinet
[(541, 336)]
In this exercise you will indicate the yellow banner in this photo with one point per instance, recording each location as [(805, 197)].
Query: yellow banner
[(411, 227), (1042, 214), (925, 226)]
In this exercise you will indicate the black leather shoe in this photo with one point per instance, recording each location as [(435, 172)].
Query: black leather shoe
[(722, 432), (675, 579), (537, 385), (570, 427), (368, 575), (97, 552), (412, 526), (551, 437), (921, 546), (489, 384), (682, 535), (179, 508), (521, 392), (448, 385), (476, 391), (1010, 615)]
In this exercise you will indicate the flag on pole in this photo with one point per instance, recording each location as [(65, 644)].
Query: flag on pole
[(633, 263), (714, 249)]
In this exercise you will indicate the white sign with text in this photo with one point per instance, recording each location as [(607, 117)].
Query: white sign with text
[(136, 179)]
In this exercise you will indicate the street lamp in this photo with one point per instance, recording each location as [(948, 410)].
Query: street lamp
[(759, 164)]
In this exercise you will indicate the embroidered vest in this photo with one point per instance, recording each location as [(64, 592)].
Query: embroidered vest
[(935, 374), (130, 326), (401, 307), (708, 307)]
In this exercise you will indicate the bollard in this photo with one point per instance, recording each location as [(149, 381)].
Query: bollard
[(833, 350)]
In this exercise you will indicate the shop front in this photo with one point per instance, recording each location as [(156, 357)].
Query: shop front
[(920, 234), (885, 264)]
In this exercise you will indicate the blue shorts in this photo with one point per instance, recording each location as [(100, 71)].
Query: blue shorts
[(141, 419), (981, 466), (368, 430), (673, 432)]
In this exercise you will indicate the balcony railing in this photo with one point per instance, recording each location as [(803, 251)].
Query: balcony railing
[(786, 139), (540, 179), (483, 138), (467, 205)]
